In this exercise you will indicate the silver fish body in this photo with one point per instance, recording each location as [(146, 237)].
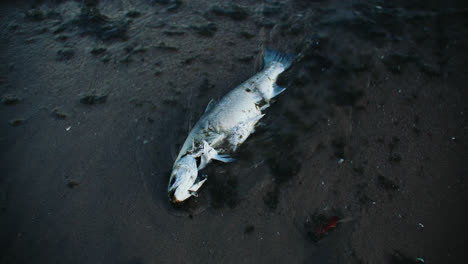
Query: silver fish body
[(227, 124)]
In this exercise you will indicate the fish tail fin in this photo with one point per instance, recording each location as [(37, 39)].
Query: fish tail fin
[(271, 56)]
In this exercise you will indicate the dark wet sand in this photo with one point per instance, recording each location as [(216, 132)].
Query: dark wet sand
[(97, 99)]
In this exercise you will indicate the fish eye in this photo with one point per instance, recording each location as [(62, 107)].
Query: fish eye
[(172, 181)]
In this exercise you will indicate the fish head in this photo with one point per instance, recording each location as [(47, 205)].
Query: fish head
[(183, 177)]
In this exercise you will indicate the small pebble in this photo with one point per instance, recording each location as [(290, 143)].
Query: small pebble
[(10, 99), (16, 122)]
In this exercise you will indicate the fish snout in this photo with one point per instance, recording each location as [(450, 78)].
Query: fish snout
[(179, 195), (183, 176)]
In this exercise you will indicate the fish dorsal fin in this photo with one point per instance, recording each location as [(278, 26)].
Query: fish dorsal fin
[(210, 105)]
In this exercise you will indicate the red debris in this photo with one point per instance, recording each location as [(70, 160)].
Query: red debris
[(329, 224)]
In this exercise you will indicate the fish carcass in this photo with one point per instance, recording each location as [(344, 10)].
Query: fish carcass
[(225, 125)]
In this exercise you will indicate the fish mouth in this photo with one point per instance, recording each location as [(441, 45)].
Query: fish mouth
[(171, 196), (173, 199)]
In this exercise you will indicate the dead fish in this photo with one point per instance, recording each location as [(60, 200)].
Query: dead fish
[(225, 125)]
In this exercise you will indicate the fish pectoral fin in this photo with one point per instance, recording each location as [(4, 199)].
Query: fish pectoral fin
[(254, 120), (203, 162), (224, 158), (277, 90), (193, 193), (210, 105), (196, 186), (207, 154)]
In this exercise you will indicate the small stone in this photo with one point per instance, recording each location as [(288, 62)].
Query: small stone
[(13, 26), (232, 11), (249, 229), (105, 59), (16, 122), (10, 99), (133, 14), (58, 113), (246, 35), (164, 46), (91, 98), (61, 37), (65, 54), (173, 32), (206, 30), (245, 59), (126, 59), (72, 184), (98, 50)]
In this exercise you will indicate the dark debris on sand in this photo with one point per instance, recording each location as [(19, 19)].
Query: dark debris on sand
[(317, 225)]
